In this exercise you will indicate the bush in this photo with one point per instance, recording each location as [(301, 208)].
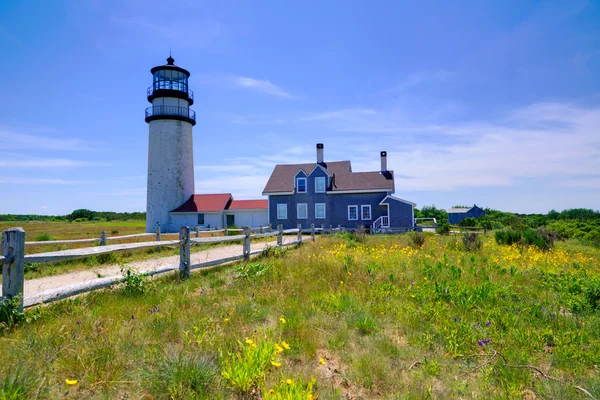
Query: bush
[(443, 229), (134, 282), (468, 222), (472, 242), (417, 239), (508, 237), (44, 237), (9, 312), (540, 238)]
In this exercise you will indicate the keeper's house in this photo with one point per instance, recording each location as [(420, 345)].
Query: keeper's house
[(330, 193), (457, 214)]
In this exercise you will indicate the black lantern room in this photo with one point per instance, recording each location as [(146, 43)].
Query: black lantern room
[(169, 94)]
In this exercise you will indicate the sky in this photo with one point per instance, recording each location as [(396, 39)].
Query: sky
[(476, 102)]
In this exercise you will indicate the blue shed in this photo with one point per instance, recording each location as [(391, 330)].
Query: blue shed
[(330, 193), (457, 214)]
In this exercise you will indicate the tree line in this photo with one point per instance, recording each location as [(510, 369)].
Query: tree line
[(81, 214)]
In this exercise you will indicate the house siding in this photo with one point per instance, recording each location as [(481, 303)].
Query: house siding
[(401, 214)]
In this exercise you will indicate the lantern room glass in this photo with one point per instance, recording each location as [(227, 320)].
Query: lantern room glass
[(170, 79)]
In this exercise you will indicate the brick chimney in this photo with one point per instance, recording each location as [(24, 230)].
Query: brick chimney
[(383, 161), (320, 159)]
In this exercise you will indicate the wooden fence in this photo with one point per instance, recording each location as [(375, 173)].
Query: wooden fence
[(14, 257)]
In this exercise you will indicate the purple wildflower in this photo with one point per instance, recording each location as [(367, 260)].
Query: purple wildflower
[(488, 323), (78, 323), (132, 317), (480, 343), (483, 342), (457, 320)]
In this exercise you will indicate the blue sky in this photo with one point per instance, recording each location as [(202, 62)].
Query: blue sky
[(494, 103)]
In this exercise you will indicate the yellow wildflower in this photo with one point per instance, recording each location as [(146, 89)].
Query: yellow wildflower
[(282, 319), (278, 348), (289, 381), (249, 341), (285, 345), (341, 282), (321, 361), (276, 364), (71, 381), (226, 320)]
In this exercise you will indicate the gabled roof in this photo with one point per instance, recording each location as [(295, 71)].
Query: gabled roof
[(458, 210), (248, 205), (389, 197), (205, 203), (282, 178)]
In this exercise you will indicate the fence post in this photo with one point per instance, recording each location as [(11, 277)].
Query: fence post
[(246, 245), (197, 232), (339, 229), (184, 252), (330, 229), (312, 232), (279, 235), (322, 230), (300, 233), (484, 230), (158, 233), (261, 229), (103, 238), (13, 269), (270, 228)]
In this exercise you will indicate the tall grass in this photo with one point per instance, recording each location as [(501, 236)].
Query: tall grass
[(378, 319)]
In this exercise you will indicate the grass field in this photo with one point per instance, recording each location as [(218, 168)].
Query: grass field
[(338, 318)]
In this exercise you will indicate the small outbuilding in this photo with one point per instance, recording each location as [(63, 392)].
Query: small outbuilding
[(457, 214), (220, 210)]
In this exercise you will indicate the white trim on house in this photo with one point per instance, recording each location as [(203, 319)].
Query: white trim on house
[(324, 210), (296, 184), (353, 219), (324, 184), (195, 212), (359, 191), (245, 209), (362, 213), (397, 199), (305, 210), (276, 193), (286, 213)]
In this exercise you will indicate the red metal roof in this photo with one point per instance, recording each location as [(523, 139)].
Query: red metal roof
[(248, 205), (205, 203)]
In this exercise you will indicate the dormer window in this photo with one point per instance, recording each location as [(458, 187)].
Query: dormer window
[(320, 184), (301, 185)]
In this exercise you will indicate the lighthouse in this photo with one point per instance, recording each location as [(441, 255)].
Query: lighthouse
[(170, 147)]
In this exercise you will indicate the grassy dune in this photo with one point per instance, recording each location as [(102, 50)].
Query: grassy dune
[(338, 318)]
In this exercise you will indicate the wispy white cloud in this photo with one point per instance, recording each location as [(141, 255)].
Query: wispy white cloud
[(419, 78), (48, 163), (263, 86), (13, 139), (41, 181)]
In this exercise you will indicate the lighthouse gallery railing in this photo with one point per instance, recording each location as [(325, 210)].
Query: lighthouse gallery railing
[(171, 110)]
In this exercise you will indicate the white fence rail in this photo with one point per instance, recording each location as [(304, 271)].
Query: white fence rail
[(14, 257)]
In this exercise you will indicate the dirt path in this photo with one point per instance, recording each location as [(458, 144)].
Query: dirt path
[(34, 287)]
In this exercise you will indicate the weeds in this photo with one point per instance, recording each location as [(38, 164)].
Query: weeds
[(472, 242), (417, 239), (10, 315), (44, 237), (134, 282)]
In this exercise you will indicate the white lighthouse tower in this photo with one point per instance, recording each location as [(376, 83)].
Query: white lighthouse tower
[(170, 150)]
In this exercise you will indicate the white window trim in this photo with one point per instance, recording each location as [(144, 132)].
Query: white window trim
[(298, 210), (362, 212), (353, 219), (324, 184), (324, 211), (305, 185), (282, 204)]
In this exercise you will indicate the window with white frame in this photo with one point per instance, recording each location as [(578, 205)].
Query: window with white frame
[(200, 219), (301, 185), (319, 210), (365, 212), (281, 211), (352, 213), (302, 210), (320, 184)]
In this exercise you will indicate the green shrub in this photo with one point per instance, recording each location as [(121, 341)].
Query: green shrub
[(472, 241), (443, 229), (134, 282), (468, 222), (245, 369), (44, 237), (508, 237), (9, 312), (253, 270)]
